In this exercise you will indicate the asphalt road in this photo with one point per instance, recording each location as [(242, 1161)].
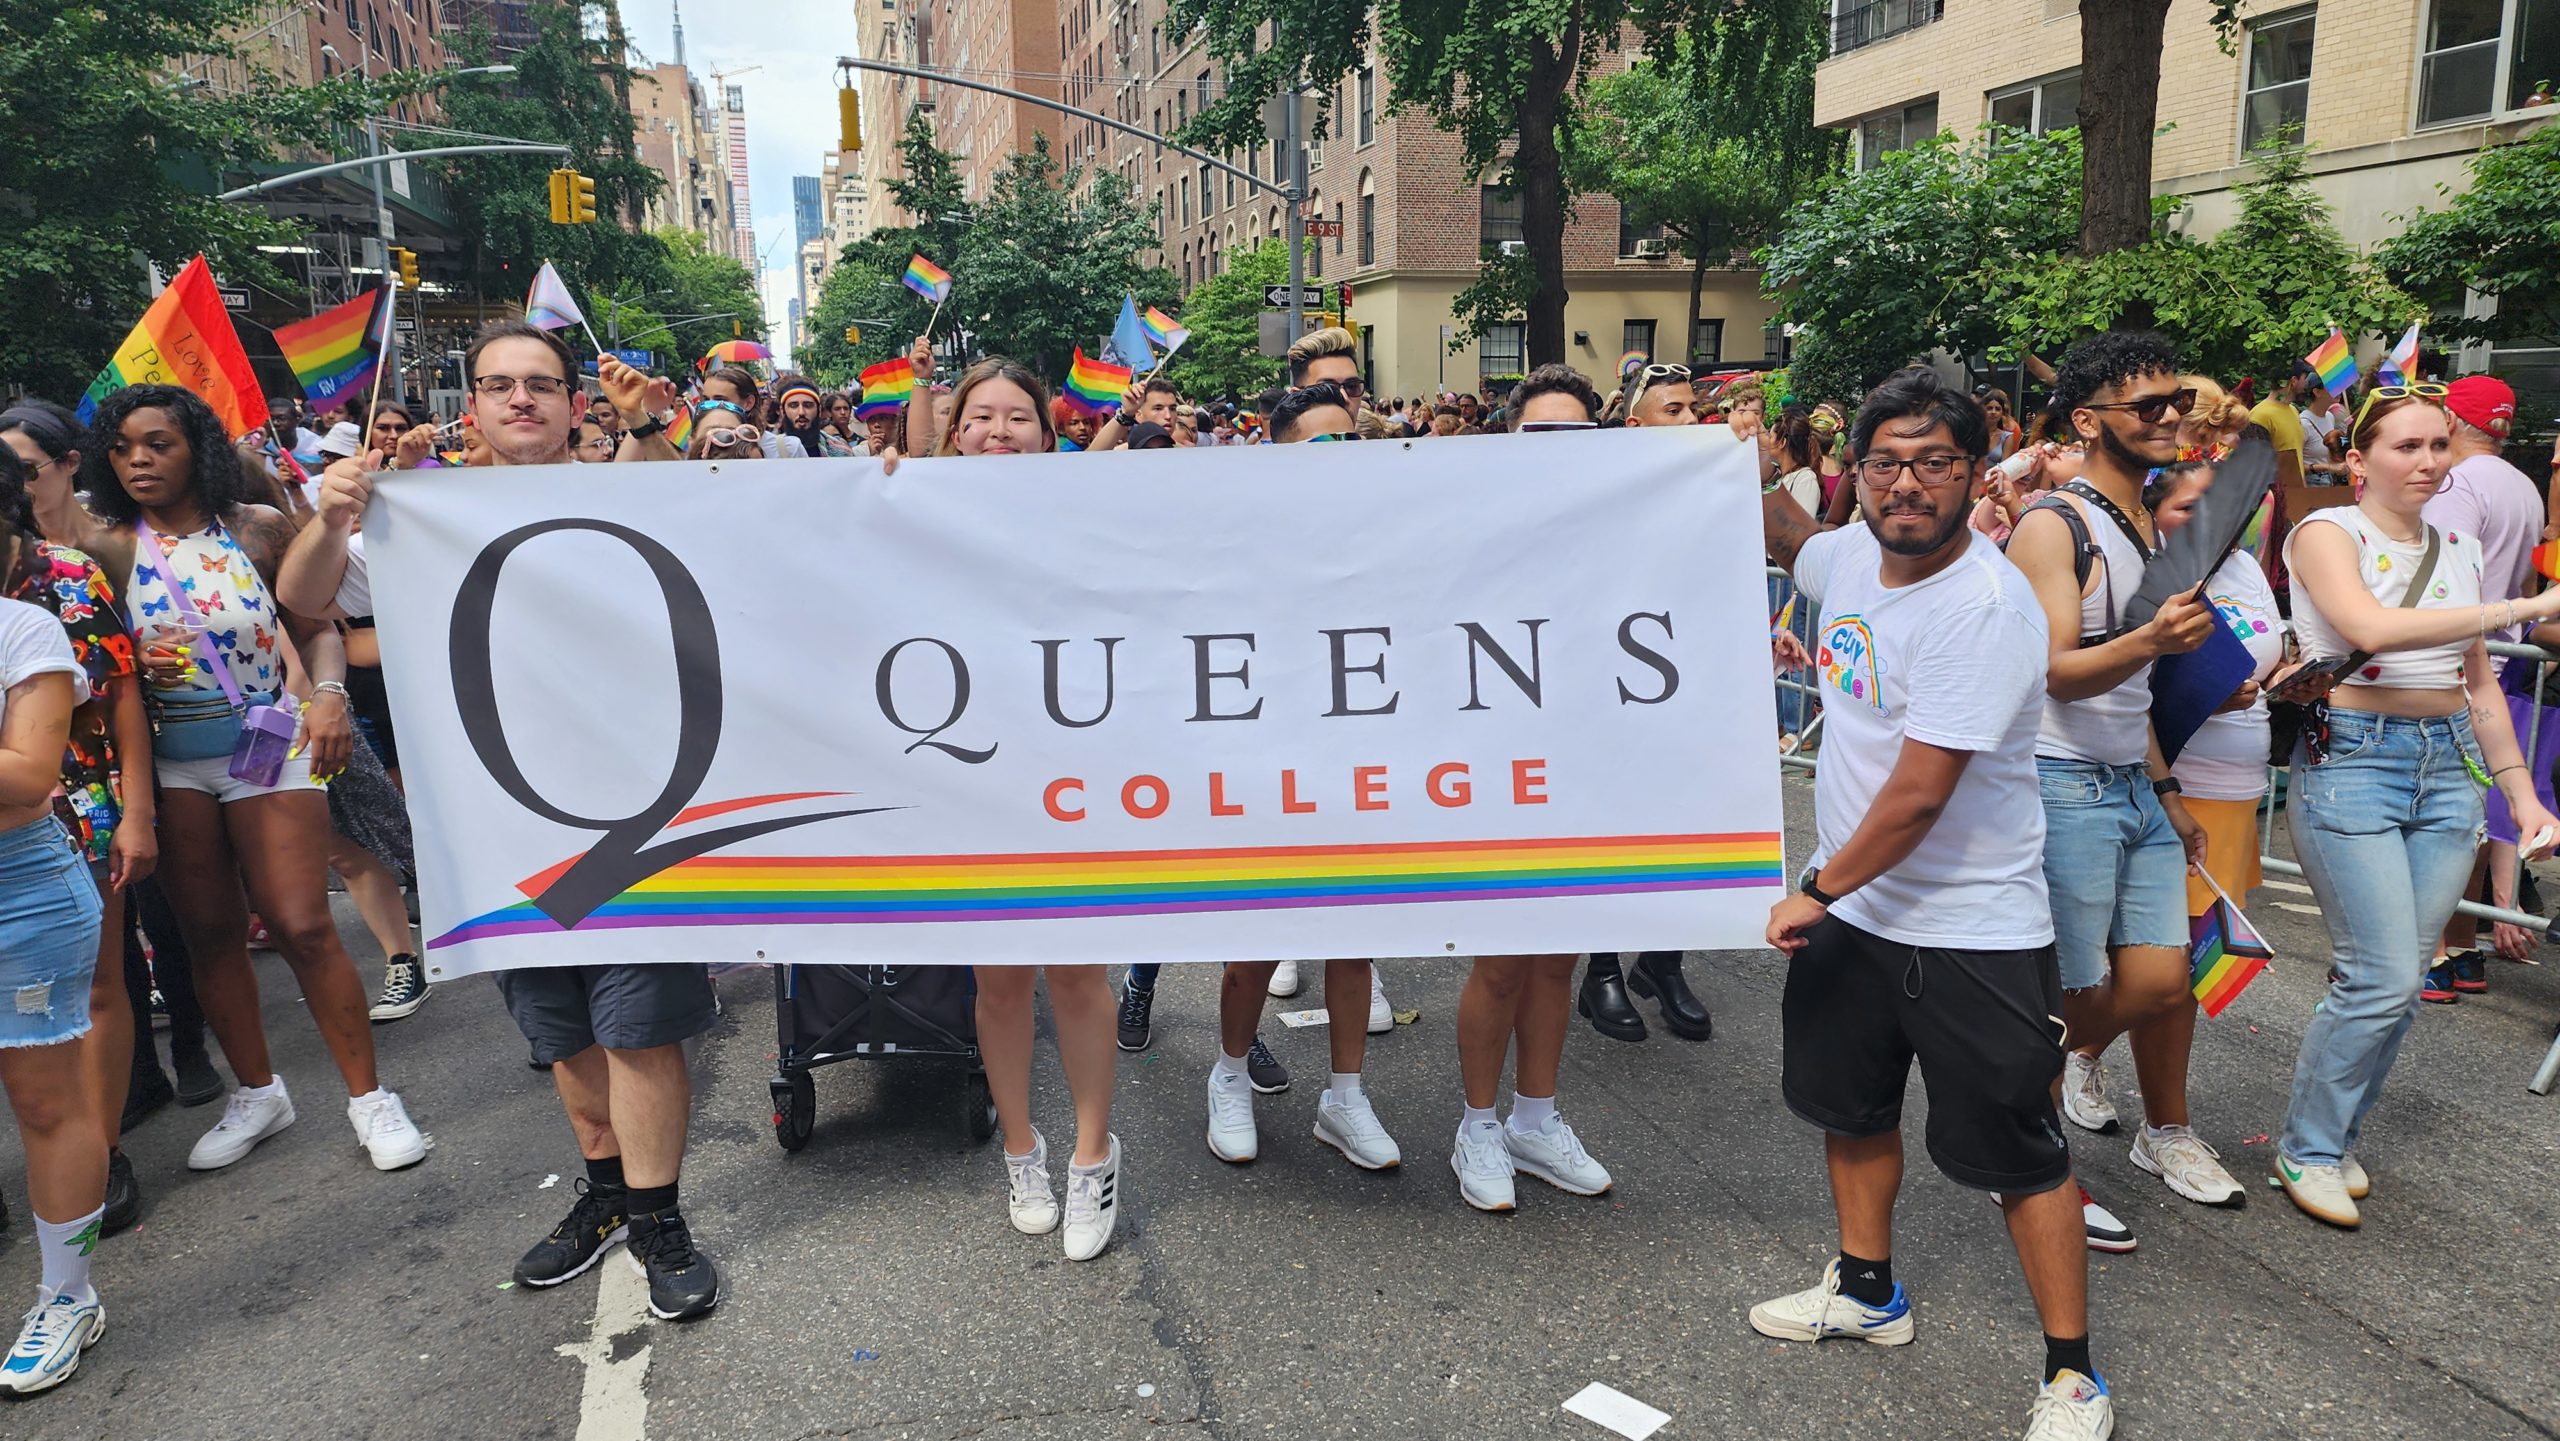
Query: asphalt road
[(877, 1292)]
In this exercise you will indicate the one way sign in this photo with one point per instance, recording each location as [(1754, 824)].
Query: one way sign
[(1276, 297)]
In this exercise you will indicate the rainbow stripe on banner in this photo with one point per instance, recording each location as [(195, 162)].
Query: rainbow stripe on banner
[(928, 279), (2225, 953), (1094, 386), (885, 387), (335, 353), (860, 890)]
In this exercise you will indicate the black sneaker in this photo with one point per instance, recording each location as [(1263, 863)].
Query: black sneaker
[(198, 1081), (1137, 1009), (595, 1221), (124, 1197), (147, 1092), (1264, 1069), (684, 1282), (404, 989)]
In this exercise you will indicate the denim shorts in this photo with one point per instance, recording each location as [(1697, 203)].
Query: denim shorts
[(2116, 871), (48, 936)]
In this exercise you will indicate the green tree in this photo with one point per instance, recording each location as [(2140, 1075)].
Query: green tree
[(700, 283), (1048, 259), (1224, 315), (1650, 137), (2120, 45), (1508, 77), (2500, 238), (110, 165), (566, 91), (864, 289), (1882, 266)]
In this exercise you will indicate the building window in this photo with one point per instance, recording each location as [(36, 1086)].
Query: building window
[(1338, 227), (2276, 95), (1368, 103), (1186, 200), (2476, 49), (1632, 238), (1503, 349), (1315, 248), (1898, 129), (1710, 347), (1208, 191), (1498, 219), (1636, 335), (2040, 107), (1856, 24), (1368, 219), (1231, 189)]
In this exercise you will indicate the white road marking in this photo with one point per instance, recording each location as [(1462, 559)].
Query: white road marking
[(2297, 910), (2296, 887), (613, 1404)]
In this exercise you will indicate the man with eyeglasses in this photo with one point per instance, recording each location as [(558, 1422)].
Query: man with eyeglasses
[(1920, 930), (2117, 838), (612, 1035)]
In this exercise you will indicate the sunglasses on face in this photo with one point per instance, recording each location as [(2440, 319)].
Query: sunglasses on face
[(1333, 435), (1538, 427), (2152, 409), (2423, 390)]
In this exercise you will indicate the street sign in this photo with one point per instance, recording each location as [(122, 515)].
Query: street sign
[(405, 325), (1324, 230), (1276, 297), (636, 359), (234, 299)]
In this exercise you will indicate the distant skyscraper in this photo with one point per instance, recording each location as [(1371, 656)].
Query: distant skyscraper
[(733, 120), (678, 8), (807, 209)]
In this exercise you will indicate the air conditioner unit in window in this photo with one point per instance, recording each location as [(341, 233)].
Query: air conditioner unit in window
[(1652, 249), (1515, 247)]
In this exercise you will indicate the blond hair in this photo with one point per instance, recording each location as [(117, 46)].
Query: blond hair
[(1315, 345), (2217, 410)]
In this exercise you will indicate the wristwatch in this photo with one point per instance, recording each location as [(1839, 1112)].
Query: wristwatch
[(1805, 886), (2168, 786), (655, 423)]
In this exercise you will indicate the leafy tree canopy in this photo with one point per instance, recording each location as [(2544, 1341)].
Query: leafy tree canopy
[(1048, 260), (2499, 237), (1224, 315)]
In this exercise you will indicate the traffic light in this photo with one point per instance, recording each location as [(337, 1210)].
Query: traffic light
[(573, 198), (560, 195), (407, 260), (853, 335), (848, 119)]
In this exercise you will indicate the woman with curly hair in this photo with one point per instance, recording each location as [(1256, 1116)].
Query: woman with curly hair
[(199, 569)]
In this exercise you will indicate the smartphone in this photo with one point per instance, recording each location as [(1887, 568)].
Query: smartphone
[(2313, 680)]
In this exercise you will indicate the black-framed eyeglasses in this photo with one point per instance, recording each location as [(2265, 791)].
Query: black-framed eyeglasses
[(542, 387), (2152, 409), (1881, 472)]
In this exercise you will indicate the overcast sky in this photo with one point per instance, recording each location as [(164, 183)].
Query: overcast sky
[(791, 104)]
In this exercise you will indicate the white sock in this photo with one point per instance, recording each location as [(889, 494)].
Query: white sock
[(1531, 1113), (65, 1247), (1078, 1168), (1474, 1119), (274, 1087), (1229, 1068), (2158, 1132), (1341, 1086)]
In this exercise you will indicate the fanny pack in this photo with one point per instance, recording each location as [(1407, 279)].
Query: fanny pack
[(202, 725)]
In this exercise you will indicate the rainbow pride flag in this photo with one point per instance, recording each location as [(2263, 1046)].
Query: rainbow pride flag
[(885, 387), (2546, 558), (680, 429), (1163, 329), (185, 339), (731, 890), (2224, 954), (2336, 362), (928, 279), (335, 353), (1094, 386)]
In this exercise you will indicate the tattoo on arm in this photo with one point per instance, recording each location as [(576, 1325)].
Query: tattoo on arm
[(1786, 526)]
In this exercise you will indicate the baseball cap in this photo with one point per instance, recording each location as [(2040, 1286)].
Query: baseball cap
[(1147, 435), (2484, 403)]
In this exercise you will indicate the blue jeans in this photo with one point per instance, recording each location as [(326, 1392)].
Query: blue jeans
[(2386, 829), (48, 935), (1795, 708), (2116, 871)]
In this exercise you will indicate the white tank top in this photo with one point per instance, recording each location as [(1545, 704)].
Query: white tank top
[(2388, 566), (2112, 729)]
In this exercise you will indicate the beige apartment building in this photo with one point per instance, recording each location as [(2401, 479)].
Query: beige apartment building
[(674, 134)]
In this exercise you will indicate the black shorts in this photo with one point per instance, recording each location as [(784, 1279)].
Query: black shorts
[(563, 1010), (1986, 1027)]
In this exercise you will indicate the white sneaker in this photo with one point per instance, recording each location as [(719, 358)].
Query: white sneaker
[(2103, 1231), (246, 1120), (49, 1344), (2321, 1191), (1233, 1137), (2084, 1094), (1823, 1311), (1351, 1127), (1382, 1017), (1033, 1205), (1484, 1168), (384, 1129), (2178, 1156), (2351, 1171), (1284, 979), (1093, 1207), (1554, 1154), (2072, 1407)]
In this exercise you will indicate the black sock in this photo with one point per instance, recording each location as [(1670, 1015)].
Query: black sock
[(1870, 1282), (2072, 1354), (605, 1175), (649, 1200)]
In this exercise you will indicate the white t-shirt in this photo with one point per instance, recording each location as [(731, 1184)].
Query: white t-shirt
[(2317, 428), (355, 588), (1957, 661), (1805, 488), (33, 643), (2226, 759)]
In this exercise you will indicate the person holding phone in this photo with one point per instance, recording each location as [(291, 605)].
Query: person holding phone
[(2385, 806)]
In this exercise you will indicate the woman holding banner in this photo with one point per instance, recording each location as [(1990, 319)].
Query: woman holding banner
[(199, 567)]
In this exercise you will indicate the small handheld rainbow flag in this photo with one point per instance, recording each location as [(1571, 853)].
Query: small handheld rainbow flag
[(335, 353), (1164, 330), (2546, 559), (1093, 386), (680, 429), (2336, 362), (2400, 366), (928, 279), (185, 338), (885, 387), (2225, 953)]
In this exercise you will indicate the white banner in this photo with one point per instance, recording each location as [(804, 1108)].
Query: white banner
[(1506, 695)]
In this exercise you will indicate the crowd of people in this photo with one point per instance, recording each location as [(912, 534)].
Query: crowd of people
[(195, 737)]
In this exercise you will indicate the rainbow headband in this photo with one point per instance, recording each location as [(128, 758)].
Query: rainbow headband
[(798, 390)]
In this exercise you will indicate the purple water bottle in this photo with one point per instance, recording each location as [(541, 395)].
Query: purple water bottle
[(266, 734)]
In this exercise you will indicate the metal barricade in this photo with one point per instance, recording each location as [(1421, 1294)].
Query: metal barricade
[(2528, 738)]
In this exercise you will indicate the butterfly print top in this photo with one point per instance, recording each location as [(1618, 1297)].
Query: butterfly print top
[(218, 576)]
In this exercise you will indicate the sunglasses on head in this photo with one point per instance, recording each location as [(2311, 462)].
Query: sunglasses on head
[(2423, 390), (1654, 374), (1537, 427), (2152, 409), (1333, 435), (734, 435)]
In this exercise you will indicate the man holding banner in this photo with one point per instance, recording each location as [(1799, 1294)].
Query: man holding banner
[(613, 1034)]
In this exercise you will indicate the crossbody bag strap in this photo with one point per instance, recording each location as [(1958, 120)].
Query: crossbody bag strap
[(200, 641), (2418, 579), (2098, 498)]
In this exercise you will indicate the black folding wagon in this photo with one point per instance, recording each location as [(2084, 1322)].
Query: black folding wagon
[(825, 1014)]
